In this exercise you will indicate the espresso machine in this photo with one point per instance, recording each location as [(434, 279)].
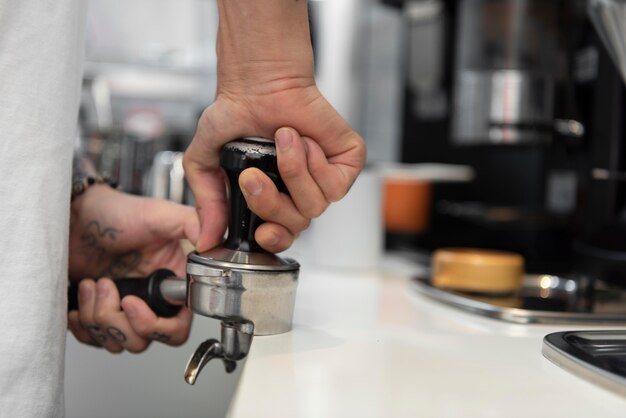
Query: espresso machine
[(251, 291), (531, 95)]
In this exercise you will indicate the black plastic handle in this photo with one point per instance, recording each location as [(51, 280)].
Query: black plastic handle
[(148, 289), (236, 157)]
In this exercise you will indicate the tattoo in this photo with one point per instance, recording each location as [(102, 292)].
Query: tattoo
[(160, 337), (123, 264), (94, 241), (97, 333), (117, 334)]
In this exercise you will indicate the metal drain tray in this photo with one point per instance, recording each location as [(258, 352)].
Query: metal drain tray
[(543, 299), (596, 356)]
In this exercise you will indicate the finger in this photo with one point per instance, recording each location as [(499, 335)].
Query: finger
[(267, 202), (112, 320), (202, 170), (81, 334), (172, 331), (333, 179), (344, 147), (293, 167), (273, 237), (86, 304), (171, 221)]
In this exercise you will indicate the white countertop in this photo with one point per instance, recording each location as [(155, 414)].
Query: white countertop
[(367, 345)]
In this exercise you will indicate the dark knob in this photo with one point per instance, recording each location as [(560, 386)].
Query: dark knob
[(237, 156)]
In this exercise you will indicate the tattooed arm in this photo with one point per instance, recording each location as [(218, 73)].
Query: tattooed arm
[(114, 234)]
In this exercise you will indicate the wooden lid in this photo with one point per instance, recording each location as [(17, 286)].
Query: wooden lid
[(477, 270)]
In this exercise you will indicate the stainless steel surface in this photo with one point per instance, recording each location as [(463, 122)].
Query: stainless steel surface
[(266, 298), (236, 339), (235, 345), (251, 291), (596, 356), (205, 352), (174, 291), (609, 19), (608, 308), (507, 62), (221, 257), (502, 107)]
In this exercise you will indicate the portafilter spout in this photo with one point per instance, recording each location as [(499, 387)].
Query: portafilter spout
[(250, 290)]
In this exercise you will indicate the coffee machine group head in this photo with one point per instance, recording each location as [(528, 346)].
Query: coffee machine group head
[(251, 291)]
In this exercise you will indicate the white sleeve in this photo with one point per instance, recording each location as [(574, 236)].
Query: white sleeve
[(41, 49)]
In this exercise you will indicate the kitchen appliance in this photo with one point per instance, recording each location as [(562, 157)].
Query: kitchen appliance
[(506, 68), (597, 356), (541, 299), (252, 292), (602, 247), (536, 107)]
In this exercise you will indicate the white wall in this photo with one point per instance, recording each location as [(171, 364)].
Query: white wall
[(102, 385)]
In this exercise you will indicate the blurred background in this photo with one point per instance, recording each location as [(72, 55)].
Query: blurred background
[(489, 123)]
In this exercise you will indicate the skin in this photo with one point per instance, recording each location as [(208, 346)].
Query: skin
[(113, 235), (266, 88)]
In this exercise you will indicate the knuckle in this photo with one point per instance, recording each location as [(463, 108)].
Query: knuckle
[(143, 329), (302, 225), (100, 316), (315, 210), (115, 349), (317, 170), (138, 347), (268, 207), (177, 342), (335, 194), (290, 168)]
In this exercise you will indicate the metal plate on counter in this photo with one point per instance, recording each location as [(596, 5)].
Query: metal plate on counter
[(542, 299), (596, 356)]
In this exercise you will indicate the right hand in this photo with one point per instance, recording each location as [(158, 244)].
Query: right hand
[(266, 88)]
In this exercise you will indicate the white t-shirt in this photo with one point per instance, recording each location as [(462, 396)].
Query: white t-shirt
[(41, 48)]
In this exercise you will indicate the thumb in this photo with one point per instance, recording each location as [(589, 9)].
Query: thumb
[(201, 162)]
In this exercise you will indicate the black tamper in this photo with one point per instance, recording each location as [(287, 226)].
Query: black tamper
[(249, 289)]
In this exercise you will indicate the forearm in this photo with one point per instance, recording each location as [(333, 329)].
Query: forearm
[(264, 40)]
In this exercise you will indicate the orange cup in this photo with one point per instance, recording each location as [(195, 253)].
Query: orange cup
[(407, 205)]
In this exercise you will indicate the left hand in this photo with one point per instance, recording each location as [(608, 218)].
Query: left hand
[(113, 235)]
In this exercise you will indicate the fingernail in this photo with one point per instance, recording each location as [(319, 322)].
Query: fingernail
[(84, 292), (284, 139), (103, 289), (252, 186), (306, 146)]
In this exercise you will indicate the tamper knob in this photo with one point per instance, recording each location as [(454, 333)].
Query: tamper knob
[(236, 157)]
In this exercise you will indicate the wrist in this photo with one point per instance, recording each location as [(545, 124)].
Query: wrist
[(84, 210), (264, 41)]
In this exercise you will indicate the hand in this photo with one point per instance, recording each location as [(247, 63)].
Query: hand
[(114, 234), (266, 83)]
